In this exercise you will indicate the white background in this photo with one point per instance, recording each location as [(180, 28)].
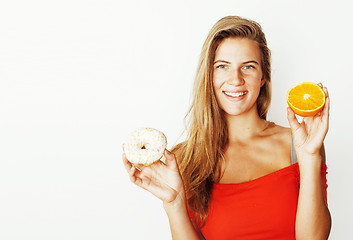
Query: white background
[(76, 77)]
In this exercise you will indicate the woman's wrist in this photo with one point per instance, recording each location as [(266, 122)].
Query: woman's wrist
[(179, 203), (309, 162), (180, 222)]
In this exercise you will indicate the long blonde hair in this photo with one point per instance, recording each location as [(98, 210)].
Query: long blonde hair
[(200, 156)]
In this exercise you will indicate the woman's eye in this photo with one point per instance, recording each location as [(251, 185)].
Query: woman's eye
[(221, 66), (247, 67)]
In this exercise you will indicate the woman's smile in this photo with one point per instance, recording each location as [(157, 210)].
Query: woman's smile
[(237, 75), (235, 96)]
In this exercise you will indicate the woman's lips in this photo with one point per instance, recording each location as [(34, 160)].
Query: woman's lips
[(235, 95)]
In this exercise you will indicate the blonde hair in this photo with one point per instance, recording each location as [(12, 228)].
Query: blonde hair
[(200, 156)]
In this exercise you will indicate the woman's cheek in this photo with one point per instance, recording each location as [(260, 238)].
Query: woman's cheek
[(218, 77)]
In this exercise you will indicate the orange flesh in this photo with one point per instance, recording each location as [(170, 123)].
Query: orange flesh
[(306, 99)]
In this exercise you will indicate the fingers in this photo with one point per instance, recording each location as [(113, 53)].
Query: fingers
[(137, 177), (132, 175), (325, 91), (326, 109), (324, 114), (293, 121), (126, 162), (309, 120), (133, 171), (170, 159)]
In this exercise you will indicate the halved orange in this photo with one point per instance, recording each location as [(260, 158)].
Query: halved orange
[(306, 99)]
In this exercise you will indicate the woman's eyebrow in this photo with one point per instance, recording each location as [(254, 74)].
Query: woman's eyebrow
[(251, 61), (224, 61)]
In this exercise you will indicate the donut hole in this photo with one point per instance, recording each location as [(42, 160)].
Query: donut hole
[(144, 145)]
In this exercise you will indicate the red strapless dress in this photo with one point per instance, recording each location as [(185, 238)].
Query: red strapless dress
[(264, 208)]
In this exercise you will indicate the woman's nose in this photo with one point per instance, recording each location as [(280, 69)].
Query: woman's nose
[(235, 77)]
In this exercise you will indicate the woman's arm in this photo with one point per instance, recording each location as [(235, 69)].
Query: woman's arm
[(180, 223), (313, 220), (164, 181)]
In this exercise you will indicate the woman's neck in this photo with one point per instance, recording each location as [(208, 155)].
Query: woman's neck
[(245, 126)]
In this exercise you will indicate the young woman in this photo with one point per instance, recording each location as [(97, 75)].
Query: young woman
[(237, 174)]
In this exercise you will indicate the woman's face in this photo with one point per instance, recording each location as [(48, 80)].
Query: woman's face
[(237, 75)]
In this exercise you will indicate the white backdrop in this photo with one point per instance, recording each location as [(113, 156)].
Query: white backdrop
[(76, 77)]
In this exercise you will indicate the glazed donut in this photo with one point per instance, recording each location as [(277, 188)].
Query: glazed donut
[(145, 146)]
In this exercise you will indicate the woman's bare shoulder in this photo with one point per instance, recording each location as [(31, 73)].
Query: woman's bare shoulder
[(279, 139), (280, 134)]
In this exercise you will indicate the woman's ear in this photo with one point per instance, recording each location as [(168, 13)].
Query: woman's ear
[(263, 81)]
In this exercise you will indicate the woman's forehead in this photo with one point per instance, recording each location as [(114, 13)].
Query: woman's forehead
[(233, 49)]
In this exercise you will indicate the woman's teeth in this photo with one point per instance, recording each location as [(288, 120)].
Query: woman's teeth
[(235, 94)]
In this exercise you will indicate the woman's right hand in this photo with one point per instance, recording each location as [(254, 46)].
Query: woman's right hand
[(161, 179)]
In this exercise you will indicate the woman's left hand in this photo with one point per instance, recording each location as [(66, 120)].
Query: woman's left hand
[(308, 136)]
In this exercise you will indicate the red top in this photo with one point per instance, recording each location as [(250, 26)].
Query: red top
[(264, 208)]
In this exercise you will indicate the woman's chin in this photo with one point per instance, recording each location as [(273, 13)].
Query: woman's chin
[(234, 113)]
